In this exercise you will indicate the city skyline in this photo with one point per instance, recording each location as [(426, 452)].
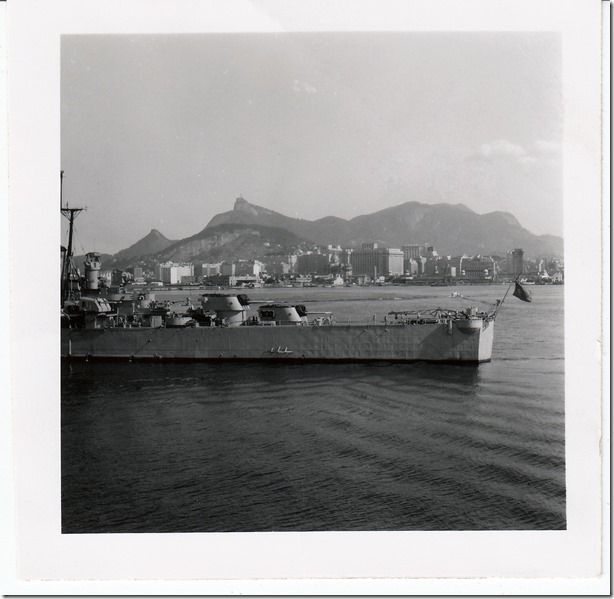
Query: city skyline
[(165, 131), (411, 263)]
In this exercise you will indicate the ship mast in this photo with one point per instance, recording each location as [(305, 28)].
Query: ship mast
[(68, 268)]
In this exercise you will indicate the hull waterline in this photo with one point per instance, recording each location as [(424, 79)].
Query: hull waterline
[(465, 342)]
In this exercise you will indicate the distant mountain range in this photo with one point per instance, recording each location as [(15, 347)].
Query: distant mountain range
[(451, 229), (253, 232)]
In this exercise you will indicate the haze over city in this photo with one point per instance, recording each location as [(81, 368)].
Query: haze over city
[(166, 131)]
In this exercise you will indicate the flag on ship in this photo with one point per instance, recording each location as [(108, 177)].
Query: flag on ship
[(521, 293)]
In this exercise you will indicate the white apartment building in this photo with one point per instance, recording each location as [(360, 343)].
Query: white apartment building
[(171, 273)]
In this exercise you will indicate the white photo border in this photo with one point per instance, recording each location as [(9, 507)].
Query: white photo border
[(428, 561)]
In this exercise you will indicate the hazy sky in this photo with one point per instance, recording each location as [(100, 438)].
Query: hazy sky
[(166, 131)]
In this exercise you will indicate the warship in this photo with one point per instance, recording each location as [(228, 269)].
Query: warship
[(114, 324), (222, 328)]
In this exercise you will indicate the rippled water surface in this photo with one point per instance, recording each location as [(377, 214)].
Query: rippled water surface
[(282, 447)]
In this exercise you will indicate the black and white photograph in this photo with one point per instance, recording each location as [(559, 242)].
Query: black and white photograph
[(315, 288), (241, 364)]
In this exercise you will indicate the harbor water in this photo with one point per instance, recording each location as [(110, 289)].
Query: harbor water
[(202, 447)]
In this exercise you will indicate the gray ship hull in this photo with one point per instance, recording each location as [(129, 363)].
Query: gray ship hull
[(460, 341)]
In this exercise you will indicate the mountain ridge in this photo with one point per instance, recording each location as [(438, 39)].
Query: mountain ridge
[(450, 228), (250, 231)]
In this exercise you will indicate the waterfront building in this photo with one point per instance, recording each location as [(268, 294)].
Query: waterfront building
[(478, 268), (278, 265), (396, 264), (138, 275), (185, 269), (432, 266), (204, 270), (227, 269), (369, 260), (515, 262), (248, 267), (374, 261), (312, 263), (244, 280), (171, 273), (411, 251), (411, 266), (449, 266)]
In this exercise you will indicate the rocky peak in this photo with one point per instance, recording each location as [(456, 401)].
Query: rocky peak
[(242, 205)]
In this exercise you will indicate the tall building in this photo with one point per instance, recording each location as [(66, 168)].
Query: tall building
[(248, 267), (515, 262), (315, 264), (138, 273), (278, 265), (411, 251), (202, 271), (371, 261), (396, 262), (171, 273), (376, 262), (410, 254)]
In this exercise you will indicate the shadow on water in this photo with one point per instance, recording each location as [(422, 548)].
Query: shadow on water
[(85, 376)]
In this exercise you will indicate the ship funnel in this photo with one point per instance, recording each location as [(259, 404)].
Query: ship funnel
[(92, 271)]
